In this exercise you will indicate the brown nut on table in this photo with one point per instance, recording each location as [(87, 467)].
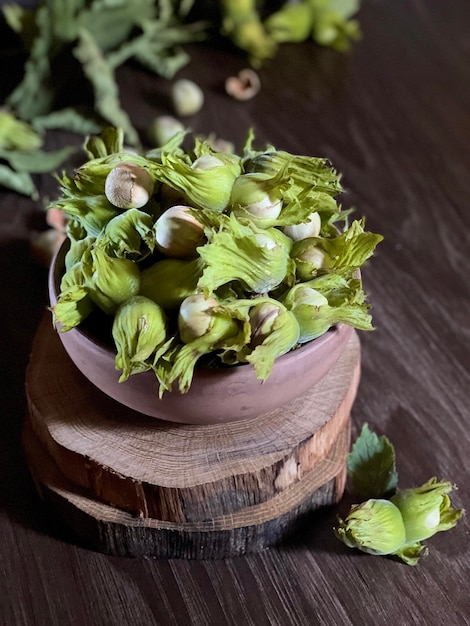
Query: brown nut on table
[(244, 86)]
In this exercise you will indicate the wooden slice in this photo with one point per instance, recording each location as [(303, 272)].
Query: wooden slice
[(107, 529), (181, 473)]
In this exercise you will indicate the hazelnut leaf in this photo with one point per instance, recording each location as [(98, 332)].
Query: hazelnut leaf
[(371, 465)]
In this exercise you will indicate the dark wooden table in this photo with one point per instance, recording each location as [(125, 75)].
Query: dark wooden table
[(394, 117)]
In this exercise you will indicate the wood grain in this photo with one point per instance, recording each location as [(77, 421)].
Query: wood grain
[(130, 485), (393, 116), (177, 472), (250, 529)]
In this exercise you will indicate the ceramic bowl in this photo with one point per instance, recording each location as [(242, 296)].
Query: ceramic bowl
[(217, 394)]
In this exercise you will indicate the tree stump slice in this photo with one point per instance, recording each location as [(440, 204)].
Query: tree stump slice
[(133, 485)]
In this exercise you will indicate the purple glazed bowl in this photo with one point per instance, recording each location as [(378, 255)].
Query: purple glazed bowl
[(216, 395)]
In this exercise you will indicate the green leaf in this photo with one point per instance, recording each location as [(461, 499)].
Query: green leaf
[(258, 259), (129, 235), (344, 253), (14, 16), (375, 527), (224, 331), (371, 465), (100, 35), (293, 22), (72, 307), (273, 332), (332, 25), (158, 47), (106, 90), (110, 281), (17, 135), (71, 119), (64, 17), (426, 510), (325, 301), (352, 248), (34, 95), (83, 196), (109, 141), (345, 8), (84, 203), (163, 65), (313, 173), (169, 281), (411, 553), (36, 162), (205, 188), (139, 329), (111, 23), (242, 24), (20, 182)]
